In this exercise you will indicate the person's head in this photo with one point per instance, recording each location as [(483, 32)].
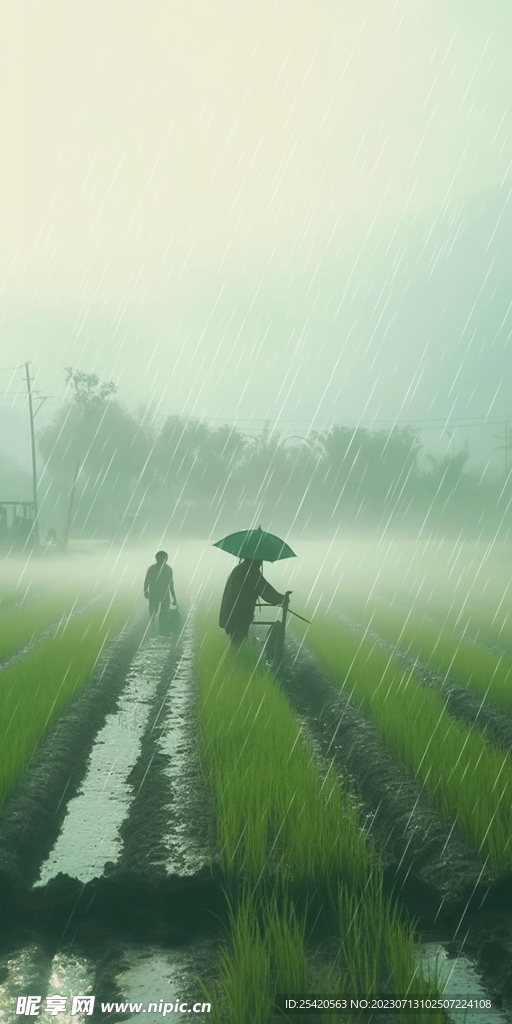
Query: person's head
[(251, 563), (161, 557)]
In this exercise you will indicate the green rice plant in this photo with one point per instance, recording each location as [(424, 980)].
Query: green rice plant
[(20, 625), (34, 689), (464, 774), (286, 939), (270, 802), (267, 954), (369, 923), (362, 926), (12, 594), (385, 948), (484, 671), (407, 977), (244, 969), (280, 823)]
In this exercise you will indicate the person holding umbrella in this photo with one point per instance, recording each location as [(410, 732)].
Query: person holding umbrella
[(243, 588), (246, 582)]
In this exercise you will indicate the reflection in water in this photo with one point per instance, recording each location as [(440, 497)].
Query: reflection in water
[(178, 742), (90, 833), (31, 971), (456, 976)]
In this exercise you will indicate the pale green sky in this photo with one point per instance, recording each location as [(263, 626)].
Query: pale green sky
[(193, 184)]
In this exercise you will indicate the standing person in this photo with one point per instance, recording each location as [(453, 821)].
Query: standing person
[(159, 588), (243, 588)]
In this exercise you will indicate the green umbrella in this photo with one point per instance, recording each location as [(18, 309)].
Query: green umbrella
[(256, 545)]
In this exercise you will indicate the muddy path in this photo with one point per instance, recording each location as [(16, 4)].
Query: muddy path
[(107, 875), (417, 843), (32, 817), (439, 881), (109, 870), (120, 761)]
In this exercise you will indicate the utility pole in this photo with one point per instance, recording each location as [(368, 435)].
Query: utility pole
[(503, 447), (32, 415)]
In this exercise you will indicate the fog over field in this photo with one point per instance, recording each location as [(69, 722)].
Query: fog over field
[(255, 266), (466, 579), (284, 213)]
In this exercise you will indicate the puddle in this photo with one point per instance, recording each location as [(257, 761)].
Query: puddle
[(167, 979), (458, 977), (89, 838), (30, 972), (71, 976), (178, 742), (22, 973)]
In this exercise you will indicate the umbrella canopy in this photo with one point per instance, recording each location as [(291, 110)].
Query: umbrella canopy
[(256, 545)]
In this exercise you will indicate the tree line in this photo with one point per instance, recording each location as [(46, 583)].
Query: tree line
[(120, 470)]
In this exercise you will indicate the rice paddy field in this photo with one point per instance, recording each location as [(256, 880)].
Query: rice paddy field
[(190, 830)]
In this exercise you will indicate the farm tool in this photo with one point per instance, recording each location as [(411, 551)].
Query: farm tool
[(274, 643)]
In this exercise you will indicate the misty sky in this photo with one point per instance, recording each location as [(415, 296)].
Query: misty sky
[(282, 210)]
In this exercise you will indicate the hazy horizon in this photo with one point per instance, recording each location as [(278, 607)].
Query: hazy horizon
[(286, 212)]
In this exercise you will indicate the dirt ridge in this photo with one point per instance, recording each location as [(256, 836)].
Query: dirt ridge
[(31, 818), (460, 701), (429, 866)]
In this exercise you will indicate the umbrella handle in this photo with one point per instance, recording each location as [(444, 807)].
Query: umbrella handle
[(297, 616)]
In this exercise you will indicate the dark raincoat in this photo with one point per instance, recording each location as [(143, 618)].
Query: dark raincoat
[(159, 581), (159, 588), (243, 588)]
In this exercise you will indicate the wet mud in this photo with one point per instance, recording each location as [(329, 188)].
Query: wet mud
[(143, 907), (106, 846), (416, 842), (32, 818), (170, 805), (437, 880), (461, 701)]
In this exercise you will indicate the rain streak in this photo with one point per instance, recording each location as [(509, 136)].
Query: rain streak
[(255, 511)]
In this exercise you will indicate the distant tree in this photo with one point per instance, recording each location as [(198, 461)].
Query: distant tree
[(178, 454), (219, 464), (89, 392), (262, 476), (301, 498), (447, 471), (194, 462), (111, 447), (365, 468)]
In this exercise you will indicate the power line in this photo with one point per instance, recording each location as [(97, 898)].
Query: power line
[(425, 422), (442, 421)]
